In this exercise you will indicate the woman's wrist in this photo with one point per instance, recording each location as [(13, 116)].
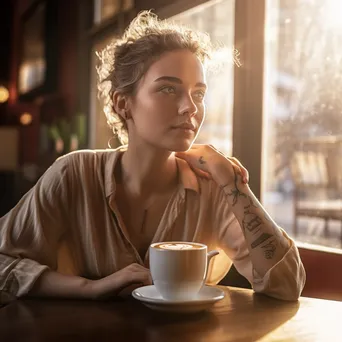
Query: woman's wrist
[(221, 171), (239, 189), (88, 289), (226, 175)]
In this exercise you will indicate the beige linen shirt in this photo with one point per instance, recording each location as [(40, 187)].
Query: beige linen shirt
[(69, 222)]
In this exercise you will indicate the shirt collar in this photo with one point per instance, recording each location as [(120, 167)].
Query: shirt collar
[(188, 179)]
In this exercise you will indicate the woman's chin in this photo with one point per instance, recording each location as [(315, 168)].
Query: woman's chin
[(181, 146)]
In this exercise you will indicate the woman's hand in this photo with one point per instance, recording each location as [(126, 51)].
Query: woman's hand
[(130, 277), (207, 161)]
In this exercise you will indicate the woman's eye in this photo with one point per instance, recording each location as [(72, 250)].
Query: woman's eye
[(200, 95), (168, 90)]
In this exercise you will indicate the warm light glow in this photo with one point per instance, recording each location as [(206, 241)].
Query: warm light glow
[(25, 119), (332, 10), (224, 55), (4, 94)]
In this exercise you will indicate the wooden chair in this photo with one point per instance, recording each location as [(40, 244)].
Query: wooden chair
[(317, 173)]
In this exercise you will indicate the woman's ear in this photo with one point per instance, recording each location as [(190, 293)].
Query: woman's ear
[(120, 104)]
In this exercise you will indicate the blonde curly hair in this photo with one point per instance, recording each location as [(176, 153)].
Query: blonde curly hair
[(124, 61)]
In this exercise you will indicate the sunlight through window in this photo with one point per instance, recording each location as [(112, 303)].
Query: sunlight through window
[(302, 181)]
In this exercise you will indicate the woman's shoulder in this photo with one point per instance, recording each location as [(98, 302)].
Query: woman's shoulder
[(87, 156), (84, 163)]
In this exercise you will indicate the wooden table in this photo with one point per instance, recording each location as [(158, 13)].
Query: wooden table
[(241, 316)]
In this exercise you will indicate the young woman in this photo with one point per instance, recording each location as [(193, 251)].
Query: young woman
[(84, 229)]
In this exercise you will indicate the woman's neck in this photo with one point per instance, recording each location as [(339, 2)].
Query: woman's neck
[(145, 172)]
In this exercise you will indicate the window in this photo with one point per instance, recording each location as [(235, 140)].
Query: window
[(217, 19), (100, 133), (303, 119)]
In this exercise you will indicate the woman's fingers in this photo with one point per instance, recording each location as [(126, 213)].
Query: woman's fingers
[(140, 277), (244, 172), (144, 275)]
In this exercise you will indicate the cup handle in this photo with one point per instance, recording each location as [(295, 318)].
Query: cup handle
[(209, 256)]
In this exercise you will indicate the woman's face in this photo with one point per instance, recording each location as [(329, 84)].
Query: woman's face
[(170, 94)]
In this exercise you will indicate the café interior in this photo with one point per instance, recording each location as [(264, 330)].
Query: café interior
[(273, 102)]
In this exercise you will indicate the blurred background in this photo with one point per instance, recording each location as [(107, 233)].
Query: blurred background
[(274, 97)]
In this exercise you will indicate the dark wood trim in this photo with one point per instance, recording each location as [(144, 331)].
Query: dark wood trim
[(85, 11), (110, 26), (170, 8), (248, 90)]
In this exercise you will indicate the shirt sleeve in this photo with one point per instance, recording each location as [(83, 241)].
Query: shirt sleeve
[(285, 280), (30, 232)]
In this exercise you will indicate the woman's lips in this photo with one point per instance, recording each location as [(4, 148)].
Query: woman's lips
[(184, 130)]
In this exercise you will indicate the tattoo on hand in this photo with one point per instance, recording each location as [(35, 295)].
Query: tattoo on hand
[(236, 192), (201, 160)]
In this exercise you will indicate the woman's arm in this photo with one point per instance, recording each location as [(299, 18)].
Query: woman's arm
[(29, 241), (54, 284), (260, 250), (266, 243)]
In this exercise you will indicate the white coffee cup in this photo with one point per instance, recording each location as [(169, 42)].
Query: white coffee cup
[(179, 269)]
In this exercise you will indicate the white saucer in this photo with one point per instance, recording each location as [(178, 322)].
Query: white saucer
[(150, 297)]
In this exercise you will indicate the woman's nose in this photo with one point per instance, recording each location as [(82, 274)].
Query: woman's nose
[(188, 106)]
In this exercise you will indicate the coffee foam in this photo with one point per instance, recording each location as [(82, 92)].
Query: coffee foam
[(176, 246)]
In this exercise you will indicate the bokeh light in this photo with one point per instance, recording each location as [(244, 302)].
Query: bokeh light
[(4, 94)]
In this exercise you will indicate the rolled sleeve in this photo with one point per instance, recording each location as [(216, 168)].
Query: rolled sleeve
[(18, 277), (285, 280)]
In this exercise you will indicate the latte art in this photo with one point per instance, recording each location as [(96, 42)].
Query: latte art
[(176, 246)]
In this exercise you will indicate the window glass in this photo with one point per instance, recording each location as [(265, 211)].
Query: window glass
[(217, 19), (302, 179), (100, 133)]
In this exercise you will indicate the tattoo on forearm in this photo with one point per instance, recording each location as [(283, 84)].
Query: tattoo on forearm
[(270, 249), (236, 192), (282, 241), (251, 203), (254, 223), (251, 222), (262, 238)]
